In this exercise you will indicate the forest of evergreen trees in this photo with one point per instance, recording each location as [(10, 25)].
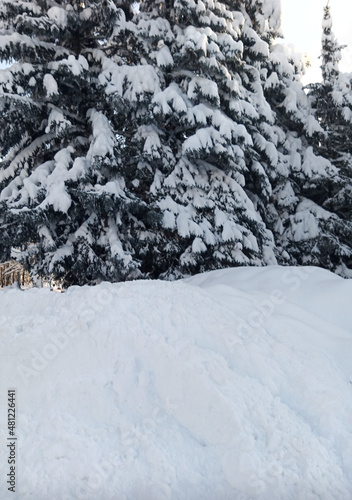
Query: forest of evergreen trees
[(168, 140)]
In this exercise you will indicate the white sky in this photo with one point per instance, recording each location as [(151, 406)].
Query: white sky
[(301, 24)]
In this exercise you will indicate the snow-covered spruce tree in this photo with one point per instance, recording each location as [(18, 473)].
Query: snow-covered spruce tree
[(223, 129), (65, 210), (198, 104), (300, 178), (331, 100)]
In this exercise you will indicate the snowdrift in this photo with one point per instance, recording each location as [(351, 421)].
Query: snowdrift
[(234, 384)]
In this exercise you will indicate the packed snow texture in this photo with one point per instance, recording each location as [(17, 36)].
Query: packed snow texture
[(233, 384)]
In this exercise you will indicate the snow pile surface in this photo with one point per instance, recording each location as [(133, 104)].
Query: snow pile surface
[(234, 384)]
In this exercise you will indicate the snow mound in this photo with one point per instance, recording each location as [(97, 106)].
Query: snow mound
[(233, 384)]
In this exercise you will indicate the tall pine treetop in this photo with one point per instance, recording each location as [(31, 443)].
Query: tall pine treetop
[(331, 50)]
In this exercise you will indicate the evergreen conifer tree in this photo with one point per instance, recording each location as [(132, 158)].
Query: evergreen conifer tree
[(199, 107), (65, 210), (331, 100), (122, 117)]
